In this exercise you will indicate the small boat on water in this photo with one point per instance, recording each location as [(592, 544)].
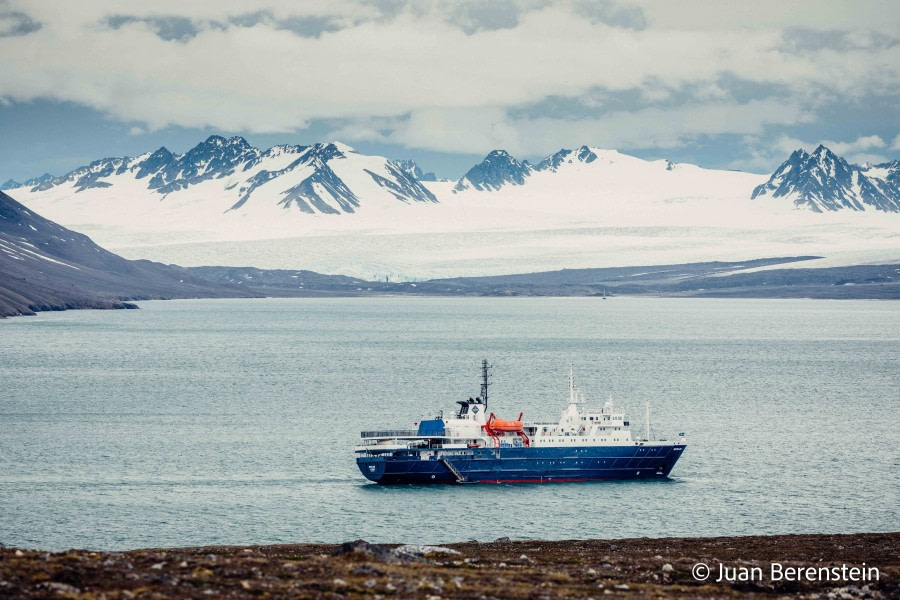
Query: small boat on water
[(475, 446)]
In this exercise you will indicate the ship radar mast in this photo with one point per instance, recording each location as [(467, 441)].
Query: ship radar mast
[(572, 398), (485, 376), (647, 420)]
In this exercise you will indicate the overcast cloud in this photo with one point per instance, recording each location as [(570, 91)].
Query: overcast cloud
[(466, 77)]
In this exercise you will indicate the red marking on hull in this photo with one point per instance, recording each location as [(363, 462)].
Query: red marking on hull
[(544, 480)]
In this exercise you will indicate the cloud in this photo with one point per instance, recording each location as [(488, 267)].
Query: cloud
[(444, 75), (866, 142), (479, 15), (460, 130), (764, 155), (620, 14), (860, 150), (476, 129), (137, 131), (862, 158), (166, 28), (16, 23), (895, 145), (785, 144), (862, 143), (880, 15)]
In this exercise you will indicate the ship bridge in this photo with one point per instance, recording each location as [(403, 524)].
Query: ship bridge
[(472, 409)]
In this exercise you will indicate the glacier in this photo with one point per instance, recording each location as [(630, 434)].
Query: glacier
[(331, 209)]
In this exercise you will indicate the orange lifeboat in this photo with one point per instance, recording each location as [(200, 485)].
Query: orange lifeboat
[(504, 425), (495, 426)]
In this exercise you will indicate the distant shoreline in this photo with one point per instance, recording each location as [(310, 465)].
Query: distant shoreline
[(789, 565), (893, 293), (72, 272)]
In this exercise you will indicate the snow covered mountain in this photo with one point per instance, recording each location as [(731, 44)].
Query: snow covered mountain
[(327, 178), (593, 182), (496, 170), (554, 161), (34, 181), (410, 167), (823, 181), (328, 208), (499, 169)]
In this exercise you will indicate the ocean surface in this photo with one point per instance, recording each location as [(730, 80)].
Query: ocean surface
[(233, 421)]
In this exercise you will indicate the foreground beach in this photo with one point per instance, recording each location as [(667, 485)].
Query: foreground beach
[(802, 566)]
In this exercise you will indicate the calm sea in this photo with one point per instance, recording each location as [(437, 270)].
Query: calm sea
[(233, 421)]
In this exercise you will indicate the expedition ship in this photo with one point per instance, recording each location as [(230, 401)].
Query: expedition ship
[(474, 446)]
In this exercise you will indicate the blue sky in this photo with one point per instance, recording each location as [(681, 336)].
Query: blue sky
[(726, 84)]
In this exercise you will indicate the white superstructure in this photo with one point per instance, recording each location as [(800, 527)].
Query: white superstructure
[(474, 427)]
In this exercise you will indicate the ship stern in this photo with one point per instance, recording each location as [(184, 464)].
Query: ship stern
[(372, 467)]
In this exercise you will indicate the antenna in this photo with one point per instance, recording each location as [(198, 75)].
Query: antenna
[(485, 375), (571, 384), (647, 421)]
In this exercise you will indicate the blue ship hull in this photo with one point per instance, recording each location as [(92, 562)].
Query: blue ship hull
[(522, 465)]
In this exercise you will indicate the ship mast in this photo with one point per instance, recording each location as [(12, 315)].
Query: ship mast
[(571, 385), (485, 375), (647, 421)]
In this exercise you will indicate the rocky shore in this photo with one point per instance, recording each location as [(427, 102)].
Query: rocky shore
[(650, 568)]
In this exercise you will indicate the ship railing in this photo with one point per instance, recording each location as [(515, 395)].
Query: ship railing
[(390, 433)]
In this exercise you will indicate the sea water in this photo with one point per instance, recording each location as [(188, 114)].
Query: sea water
[(233, 421)]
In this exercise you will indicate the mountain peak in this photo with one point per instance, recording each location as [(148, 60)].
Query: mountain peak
[(218, 145), (824, 181), (317, 182), (161, 151), (340, 146), (412, 169), (220, 141), (824, 155), (497, 169), (159, 159), (322, 152), (584, 154)]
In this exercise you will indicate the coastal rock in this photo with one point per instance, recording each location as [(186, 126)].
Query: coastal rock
[(419, 551), (328, 571)]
